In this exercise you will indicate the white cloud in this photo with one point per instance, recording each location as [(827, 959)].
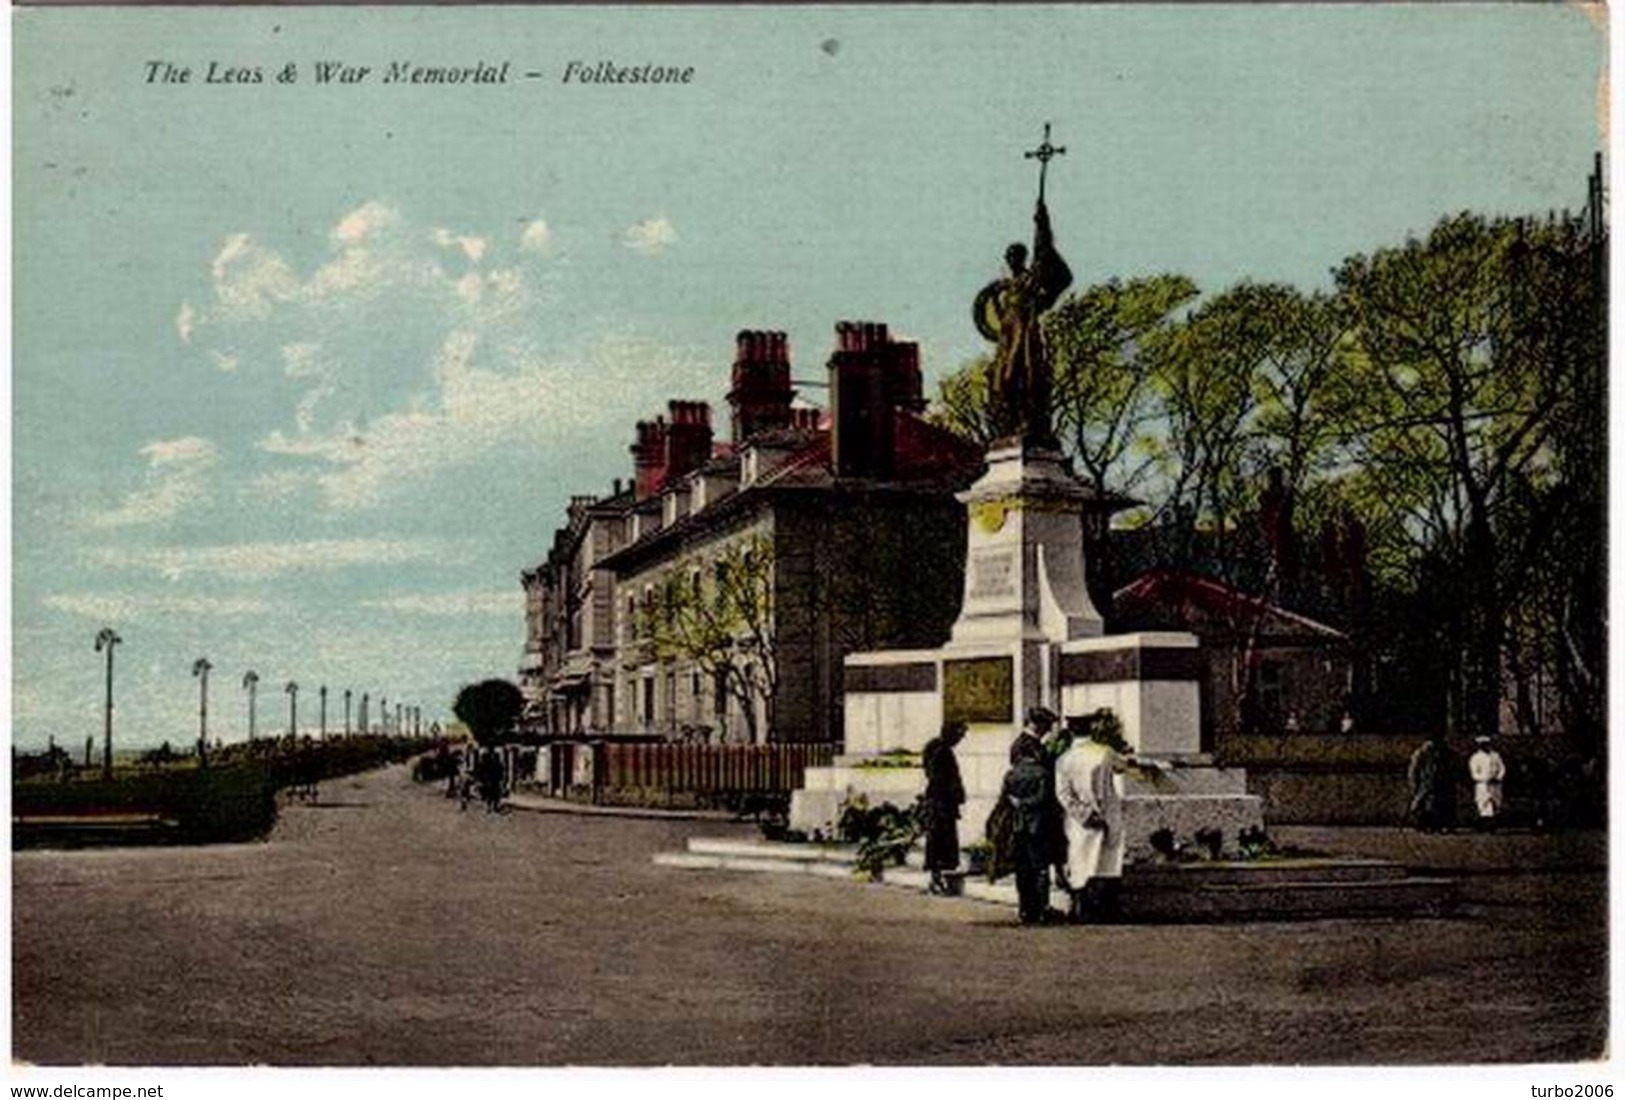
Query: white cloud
[(123, 608), (177, 452), (481, 410), (469, 287), (536, 236), (473, 247), (250, 280), (407, 362), (453, 603), (650, 236), (278, 486), (185, 322), (264, 560), (363, 222), (301, 360), (177, 476)]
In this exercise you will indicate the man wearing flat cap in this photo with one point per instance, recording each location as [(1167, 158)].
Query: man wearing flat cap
[(1029, 792), (1035, 736)]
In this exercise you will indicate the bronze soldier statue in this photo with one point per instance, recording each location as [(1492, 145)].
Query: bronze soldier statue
[(1009, 312)]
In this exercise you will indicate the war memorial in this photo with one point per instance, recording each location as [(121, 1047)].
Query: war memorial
[(1028, 635), (1028, 641)]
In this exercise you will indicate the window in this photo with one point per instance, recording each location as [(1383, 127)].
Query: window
[(1271, 692), (648, 702)]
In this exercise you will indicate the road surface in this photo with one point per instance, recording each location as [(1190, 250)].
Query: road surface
[(386, 927)]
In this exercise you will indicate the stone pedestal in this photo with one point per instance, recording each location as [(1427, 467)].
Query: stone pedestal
[(1024, 554), (1027, 635)]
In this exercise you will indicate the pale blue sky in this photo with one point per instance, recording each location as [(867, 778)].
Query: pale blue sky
[(303, 375)]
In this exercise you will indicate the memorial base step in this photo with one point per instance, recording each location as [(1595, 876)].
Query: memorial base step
[(1151, 893)]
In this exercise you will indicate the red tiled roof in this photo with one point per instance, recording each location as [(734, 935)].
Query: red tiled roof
[(1187, 592)]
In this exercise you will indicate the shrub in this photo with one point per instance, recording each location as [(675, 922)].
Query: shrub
[(884, 833)]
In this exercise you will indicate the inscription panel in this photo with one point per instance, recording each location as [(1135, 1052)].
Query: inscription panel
[(920, 676), (978, 689), (1112, 665), (993, 575)]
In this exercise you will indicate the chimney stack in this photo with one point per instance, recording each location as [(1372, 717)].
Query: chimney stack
[(872, 379), (649, 458), (761, 393), (688, 440)]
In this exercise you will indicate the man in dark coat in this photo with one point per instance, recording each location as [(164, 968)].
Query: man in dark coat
[(1029, 792), (944, 794), (1432, 781)]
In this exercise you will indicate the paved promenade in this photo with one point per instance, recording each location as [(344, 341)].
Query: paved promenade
[(386, 927)]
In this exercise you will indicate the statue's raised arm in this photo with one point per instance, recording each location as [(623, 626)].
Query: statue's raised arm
[(1051, 276), (1009, 312)]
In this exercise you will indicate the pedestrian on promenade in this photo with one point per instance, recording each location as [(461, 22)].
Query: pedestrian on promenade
[(1488, 772), (1086, 786), (944, 794), (1027, 797), (465, 780), (1433, 782), (1036, 735), (489, 773)]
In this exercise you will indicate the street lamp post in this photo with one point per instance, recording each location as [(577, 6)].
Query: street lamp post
[(346, 712), (107, 639), (293, 709), (200, 669), (383, 713), (366, 697), (322, 692), (251, 681)]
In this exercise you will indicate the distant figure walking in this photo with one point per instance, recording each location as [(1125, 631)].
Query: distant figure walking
[(1432, 780), (1488, 772), (489, 773), (944, 794), (465, 779)]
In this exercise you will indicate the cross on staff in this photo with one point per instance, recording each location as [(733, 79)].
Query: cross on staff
[(1043, 155)]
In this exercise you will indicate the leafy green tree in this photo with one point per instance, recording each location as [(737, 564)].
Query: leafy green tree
[(489, 709), (716, 612), (1461, 400), (1103, 344), (1204, 385), (968, 402)]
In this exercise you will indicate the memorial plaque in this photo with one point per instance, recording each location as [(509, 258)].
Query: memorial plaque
[(993, 575), (980, 689)]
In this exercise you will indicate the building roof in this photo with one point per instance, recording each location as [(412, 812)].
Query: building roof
[(1195, 598), (929, 460)]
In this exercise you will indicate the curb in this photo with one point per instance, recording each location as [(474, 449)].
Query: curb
[(540, 805)]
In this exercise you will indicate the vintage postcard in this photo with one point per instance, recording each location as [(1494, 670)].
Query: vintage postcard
[(819, 536)]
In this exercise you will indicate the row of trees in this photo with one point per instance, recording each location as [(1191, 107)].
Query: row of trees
[(1437, 417)]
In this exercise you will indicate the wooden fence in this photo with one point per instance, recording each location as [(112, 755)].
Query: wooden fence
[(662, 774)]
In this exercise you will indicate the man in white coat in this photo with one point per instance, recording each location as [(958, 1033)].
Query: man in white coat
[(1488, 771), (1087, 786)]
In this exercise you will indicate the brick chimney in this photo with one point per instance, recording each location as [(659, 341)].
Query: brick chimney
[(688, 438), (871, 378), (761, 392), (649, 458)]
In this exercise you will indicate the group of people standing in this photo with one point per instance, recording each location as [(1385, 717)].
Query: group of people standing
[(1432, 775), (477, 771), (1059, 807)]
